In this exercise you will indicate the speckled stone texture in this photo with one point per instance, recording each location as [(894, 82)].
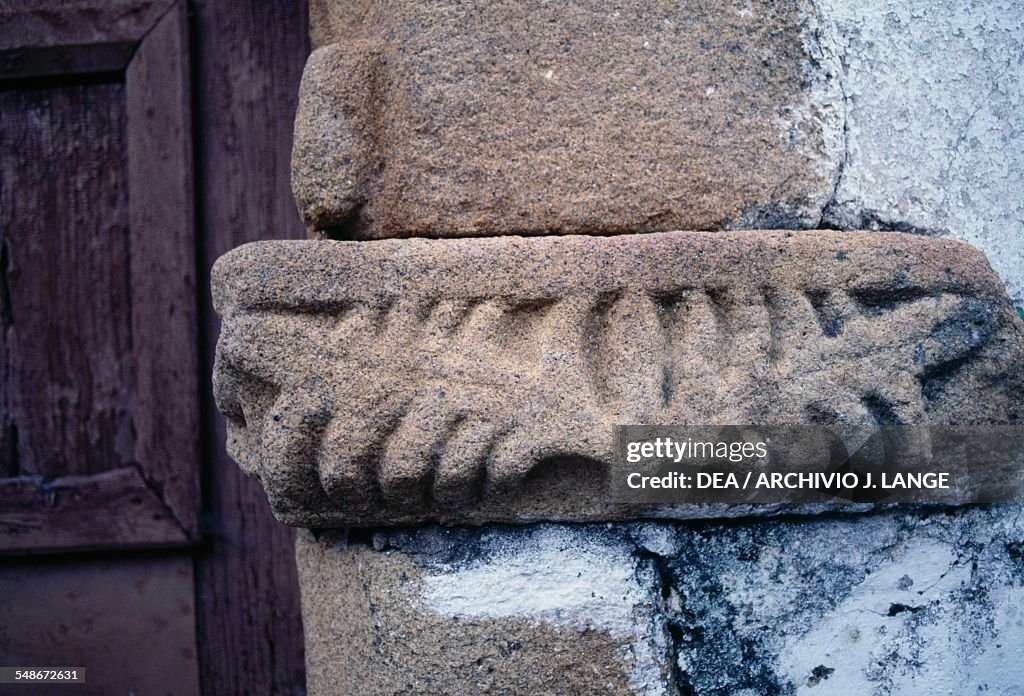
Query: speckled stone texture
[(885, 604), (385, 383), (448, 119), (472, 381)]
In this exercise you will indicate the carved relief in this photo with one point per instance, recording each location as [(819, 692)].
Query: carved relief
[(371, 383)]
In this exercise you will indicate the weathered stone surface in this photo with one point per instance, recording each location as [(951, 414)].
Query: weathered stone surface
[(893, 604), (459, 119), (877, 605), (403, 381), (918, 104), (371, 627)]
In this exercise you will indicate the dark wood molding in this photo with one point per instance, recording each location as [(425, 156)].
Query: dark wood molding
[(163, 285), (43, 39), (115, 509)]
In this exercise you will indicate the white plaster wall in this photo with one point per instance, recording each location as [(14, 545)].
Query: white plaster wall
[(934, 124), (883, 604)]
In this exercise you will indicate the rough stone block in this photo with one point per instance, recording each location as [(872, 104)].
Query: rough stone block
[(400, 381), (460, 119), (373, 627)]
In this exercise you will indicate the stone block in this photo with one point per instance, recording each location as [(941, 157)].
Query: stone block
[(379, 618), (446, 119), (885, 603), (468, 381)]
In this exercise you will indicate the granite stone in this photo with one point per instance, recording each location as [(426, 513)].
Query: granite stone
[(473, 381), (893, 603), (447, 119)]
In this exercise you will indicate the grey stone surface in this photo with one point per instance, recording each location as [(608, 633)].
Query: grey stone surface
[(481, 380), (902, 603), (934, 107), (894, 604), (908, 115)]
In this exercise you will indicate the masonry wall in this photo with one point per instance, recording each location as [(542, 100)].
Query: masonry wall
[(913, 109)]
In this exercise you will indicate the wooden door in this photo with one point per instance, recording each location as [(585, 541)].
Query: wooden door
[(139, 140), (97, 276), (99, 417)]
